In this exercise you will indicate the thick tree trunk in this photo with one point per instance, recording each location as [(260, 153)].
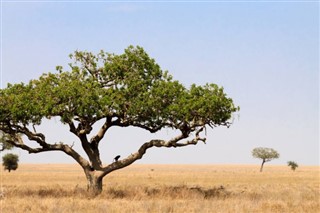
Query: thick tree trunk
[(262, 165), (94, 184)]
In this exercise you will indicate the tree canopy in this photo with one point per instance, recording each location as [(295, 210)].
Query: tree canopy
[(266, 154), (293, 165), (10, 161), (123, 90)]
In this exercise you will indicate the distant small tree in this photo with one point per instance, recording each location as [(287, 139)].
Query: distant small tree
[(293, 165), (266, 154), (10, 161)]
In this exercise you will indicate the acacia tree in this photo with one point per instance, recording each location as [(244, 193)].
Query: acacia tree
[(293, 165), (266, 154), (10, 161), (123, 90)]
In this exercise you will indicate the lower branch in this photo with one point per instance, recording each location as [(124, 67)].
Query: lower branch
[(18, 142), (153, 143)]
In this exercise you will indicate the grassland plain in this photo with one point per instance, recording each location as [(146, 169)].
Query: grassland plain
[(163, 188)]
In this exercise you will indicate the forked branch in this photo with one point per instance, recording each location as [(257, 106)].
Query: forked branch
[(17, 141), (174, 142)]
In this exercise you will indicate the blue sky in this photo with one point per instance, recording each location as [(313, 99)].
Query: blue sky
[(265, 54)]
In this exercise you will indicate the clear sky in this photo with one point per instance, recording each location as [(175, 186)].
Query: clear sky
[(264, 53)]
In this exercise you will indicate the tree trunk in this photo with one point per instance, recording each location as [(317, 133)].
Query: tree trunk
[(262, 165), (94, 184)]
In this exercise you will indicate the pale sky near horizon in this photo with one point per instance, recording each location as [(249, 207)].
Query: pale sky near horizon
[(264, 53)]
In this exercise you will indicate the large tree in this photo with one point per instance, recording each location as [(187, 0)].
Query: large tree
[(123, 90)]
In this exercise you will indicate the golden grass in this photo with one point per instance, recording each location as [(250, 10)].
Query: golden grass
[(163, 188)]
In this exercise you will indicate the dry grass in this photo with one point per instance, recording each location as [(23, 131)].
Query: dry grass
[(163, 188)]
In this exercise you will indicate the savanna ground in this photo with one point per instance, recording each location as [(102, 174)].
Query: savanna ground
[(163, 188)]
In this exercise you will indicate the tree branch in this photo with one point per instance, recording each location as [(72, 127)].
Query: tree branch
[(174, 142), (90, 148), (17, 141), (13, 129), (72, 128), (122, 122), (98, 137)]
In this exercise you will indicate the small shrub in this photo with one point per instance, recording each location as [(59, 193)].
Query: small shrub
[(293, 165), (10, 161)]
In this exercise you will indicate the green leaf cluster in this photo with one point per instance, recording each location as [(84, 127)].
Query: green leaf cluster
[(130, 87), (266, 154), (3, 144)]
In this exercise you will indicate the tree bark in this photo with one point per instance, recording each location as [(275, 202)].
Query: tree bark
[(94, 183), (263, 161)]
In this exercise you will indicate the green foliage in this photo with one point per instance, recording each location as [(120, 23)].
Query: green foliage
[(293, 165), (10, 161), (266, 154), (130, 86), (3, 144)]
